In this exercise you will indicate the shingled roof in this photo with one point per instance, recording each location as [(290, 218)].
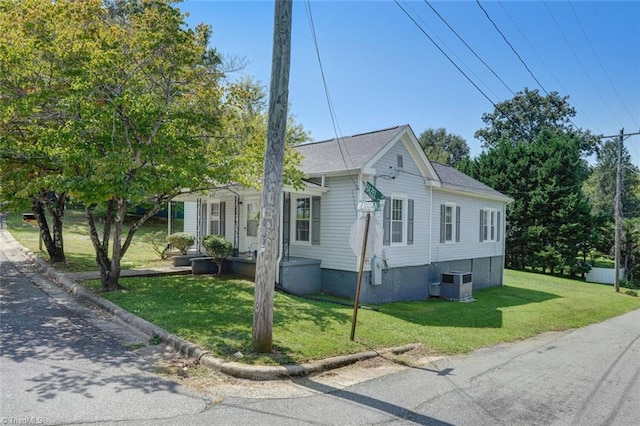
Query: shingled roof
[(352, 152), (454, 179)]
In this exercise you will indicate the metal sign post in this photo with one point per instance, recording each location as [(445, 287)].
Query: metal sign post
[(369, 207), (356, 300)]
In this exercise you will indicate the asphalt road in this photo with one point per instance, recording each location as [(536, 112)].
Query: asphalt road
[(62, 363)]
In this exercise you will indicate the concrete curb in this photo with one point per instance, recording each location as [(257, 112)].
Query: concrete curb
[(235, 369)]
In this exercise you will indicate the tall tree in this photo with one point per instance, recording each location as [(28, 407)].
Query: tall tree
[(143, 107), (443, 147), (37, 62), (549, 216), (522, 119), (600, 187)]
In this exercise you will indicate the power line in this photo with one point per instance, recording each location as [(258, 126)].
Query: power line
[(601, 65), (469, 47), (511, 46), (519, 57), (326, 92), (496, 106), (515, 24), (580, 62), (445, 54), (469, 69)]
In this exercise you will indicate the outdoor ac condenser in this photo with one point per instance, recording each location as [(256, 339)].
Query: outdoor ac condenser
[(457, 286)]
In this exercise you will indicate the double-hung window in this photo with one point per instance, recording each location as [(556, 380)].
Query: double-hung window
[(303, 219), (214, 221), (449, 223), (489, 225), (397, 220)]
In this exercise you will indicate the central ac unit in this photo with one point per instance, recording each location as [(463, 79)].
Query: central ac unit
[(457, 286)]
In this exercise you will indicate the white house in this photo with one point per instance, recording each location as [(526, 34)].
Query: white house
[(435, 219)]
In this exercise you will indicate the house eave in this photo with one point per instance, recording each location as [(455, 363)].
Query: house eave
[(475, 193)]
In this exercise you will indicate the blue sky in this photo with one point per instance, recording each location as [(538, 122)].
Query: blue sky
[(382, 71)]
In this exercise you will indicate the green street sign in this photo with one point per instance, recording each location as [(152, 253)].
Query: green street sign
[(373, 192)]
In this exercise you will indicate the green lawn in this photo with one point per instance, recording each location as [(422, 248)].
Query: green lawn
[(78, 248), (216, 313)]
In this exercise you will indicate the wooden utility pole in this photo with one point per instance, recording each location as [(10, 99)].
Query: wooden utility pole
[(272, 179), (618, 214)]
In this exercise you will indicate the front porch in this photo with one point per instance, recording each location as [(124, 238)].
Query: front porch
[(299, 275)]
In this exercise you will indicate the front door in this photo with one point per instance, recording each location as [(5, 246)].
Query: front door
[(252, 218)]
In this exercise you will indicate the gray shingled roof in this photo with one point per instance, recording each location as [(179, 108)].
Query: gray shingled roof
[(354, 152), (452, 178)]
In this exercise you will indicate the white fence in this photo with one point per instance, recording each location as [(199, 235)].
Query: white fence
[(603, 275)]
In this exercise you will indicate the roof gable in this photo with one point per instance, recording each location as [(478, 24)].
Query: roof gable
[(345, 153), (357, 152)]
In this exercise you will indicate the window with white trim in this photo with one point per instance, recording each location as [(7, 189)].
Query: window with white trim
[(302, 219), (449, 223), (398, 220), (214, 220), (489, 225), (449, 220)]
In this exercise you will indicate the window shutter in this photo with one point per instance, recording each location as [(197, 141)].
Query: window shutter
[(410, 204), (498, 228), (442, 230), (481, 224), (315, 221), (457, 224), (223, 209), (386, 222)]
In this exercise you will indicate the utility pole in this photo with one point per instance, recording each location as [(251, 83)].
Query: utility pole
[(272, 179), (618, 213)]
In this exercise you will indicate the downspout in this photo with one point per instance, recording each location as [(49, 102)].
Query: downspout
[(430, 222), (280, 241)]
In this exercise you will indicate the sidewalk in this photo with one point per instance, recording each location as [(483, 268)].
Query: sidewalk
[(252, 372)]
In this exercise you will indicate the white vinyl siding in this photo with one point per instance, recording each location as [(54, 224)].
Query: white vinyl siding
[(469, 246)]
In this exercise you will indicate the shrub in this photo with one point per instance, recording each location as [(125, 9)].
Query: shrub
[(219, 248), (181, 241), (157, 241)]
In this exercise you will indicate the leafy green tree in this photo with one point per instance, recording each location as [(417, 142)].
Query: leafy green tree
[(443, 147), (600, 187), (138, 111), (549, 218), (523, 118), (37, 60)]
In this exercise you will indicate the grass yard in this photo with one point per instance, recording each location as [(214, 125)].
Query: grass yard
[(78, 248), (217, 314)]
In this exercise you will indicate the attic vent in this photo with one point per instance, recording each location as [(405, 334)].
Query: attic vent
[(400, 162)]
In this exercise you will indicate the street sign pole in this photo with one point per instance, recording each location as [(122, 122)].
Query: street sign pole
[(356, 300)]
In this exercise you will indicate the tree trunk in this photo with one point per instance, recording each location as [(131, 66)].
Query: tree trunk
[(109, 282), (54, 244)]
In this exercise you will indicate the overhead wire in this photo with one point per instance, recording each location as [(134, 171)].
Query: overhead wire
[(511, 46), (580, 63), (332, 112), (549, 70), (495, 105), (443, 43), (604, 70), (519, 57), (469, 47)]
